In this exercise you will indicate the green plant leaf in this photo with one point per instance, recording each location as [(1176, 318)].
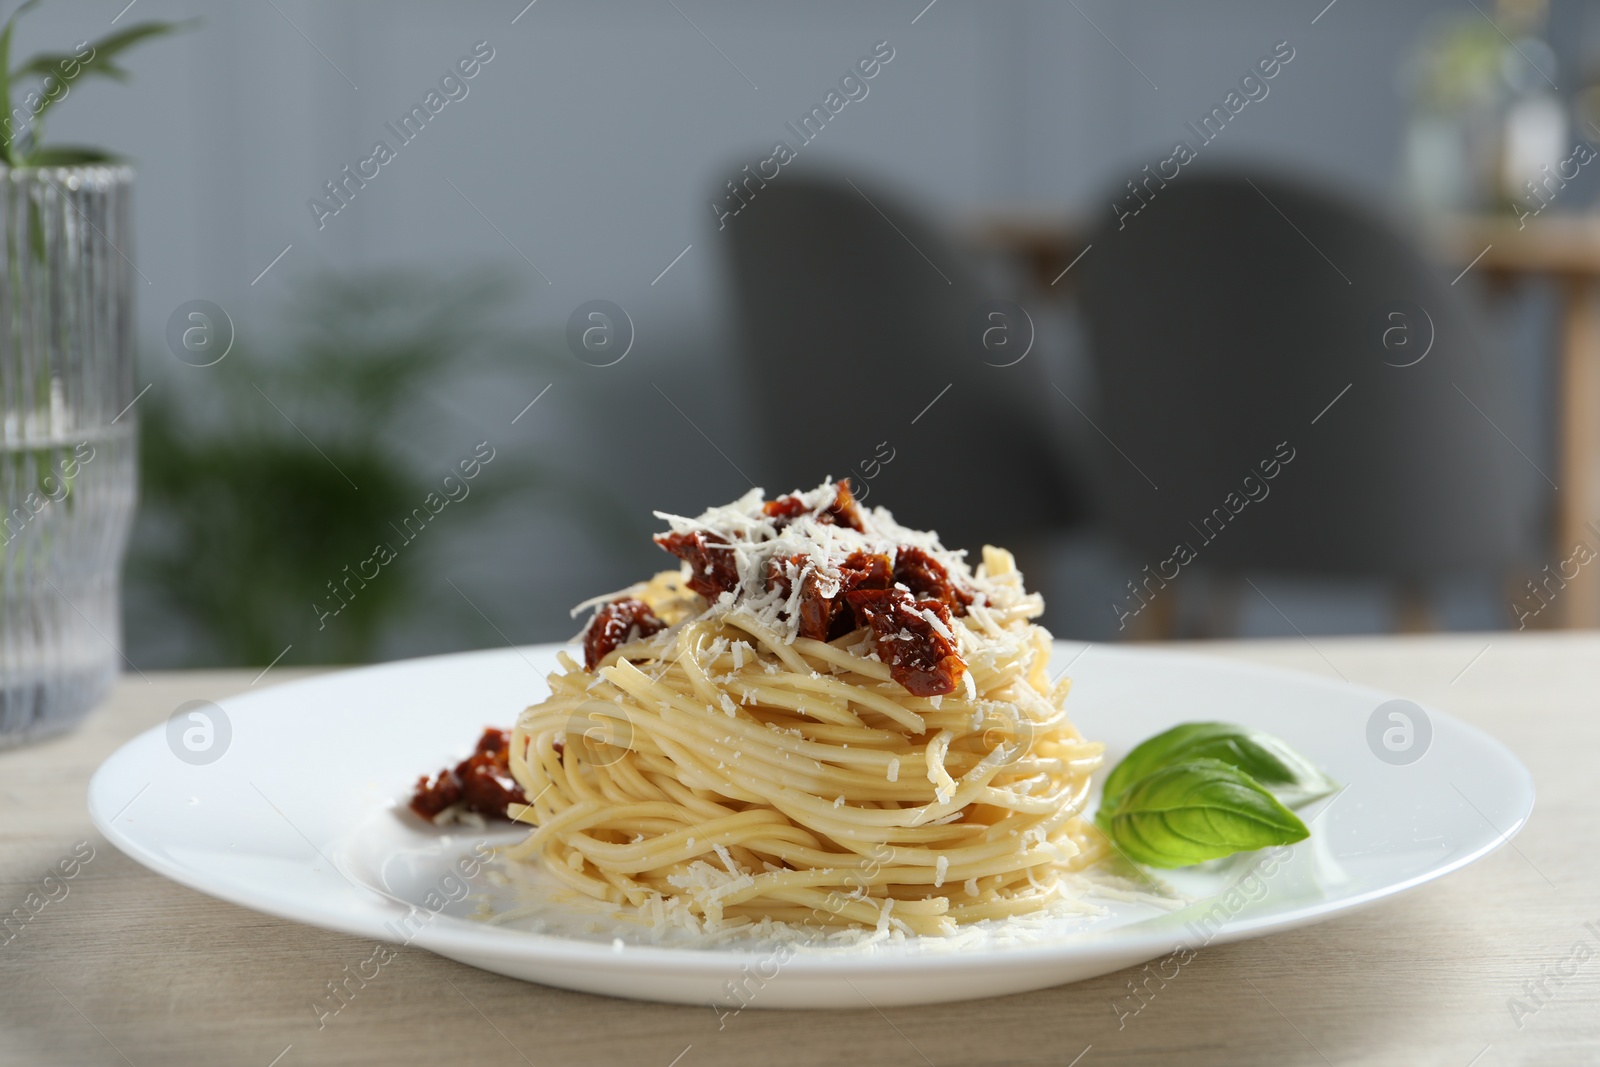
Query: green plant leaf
[(69, 155), (44, 64), (1292, 778), (35, 230), (23, 9), (100, 62), (105, 50), (8, 138), (1194, 811)]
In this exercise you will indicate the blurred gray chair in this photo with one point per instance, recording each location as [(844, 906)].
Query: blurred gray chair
[(855, 316), (1236, 312)]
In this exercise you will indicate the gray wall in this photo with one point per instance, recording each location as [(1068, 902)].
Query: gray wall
[(596, 135)]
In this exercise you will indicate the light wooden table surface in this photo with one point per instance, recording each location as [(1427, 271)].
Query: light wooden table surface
[(129, 967)]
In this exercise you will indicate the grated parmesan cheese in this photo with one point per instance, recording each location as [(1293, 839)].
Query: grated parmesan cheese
[(938, 624), (756, 540)]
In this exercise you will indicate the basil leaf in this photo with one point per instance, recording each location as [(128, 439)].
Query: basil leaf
[(1195, 811), (1290, 777)]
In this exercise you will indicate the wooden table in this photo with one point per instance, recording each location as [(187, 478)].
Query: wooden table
[(129, 967), (1561, 247)]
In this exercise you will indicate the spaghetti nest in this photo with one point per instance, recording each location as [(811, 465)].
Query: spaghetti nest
[(719, 772)]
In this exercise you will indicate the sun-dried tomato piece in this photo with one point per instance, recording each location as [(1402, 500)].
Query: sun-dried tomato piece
[(842, 512), (483, 780), (823, 617), (624, 619), (493, 741), (927, 577), (486, 782), (778, 572), (860, 570), (487, 785), (712, 568), (429, 798), (919, 657), (867, 570), (785, 509), (817, 610)]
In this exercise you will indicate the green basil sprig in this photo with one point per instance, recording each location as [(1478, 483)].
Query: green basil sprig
[(1289, 776), (1201, 791), (57, 72), (1195, 811)]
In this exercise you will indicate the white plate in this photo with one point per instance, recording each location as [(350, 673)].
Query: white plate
[(297, 816)]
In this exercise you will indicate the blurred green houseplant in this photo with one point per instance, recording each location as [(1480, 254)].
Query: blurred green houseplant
[(269, 480)]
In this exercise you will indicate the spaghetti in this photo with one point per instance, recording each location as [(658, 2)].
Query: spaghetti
[(823, 718)]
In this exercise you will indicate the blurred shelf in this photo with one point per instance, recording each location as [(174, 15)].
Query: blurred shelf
[(1566, 244)]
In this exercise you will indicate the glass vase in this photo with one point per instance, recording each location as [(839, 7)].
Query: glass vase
[(67, 440)]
